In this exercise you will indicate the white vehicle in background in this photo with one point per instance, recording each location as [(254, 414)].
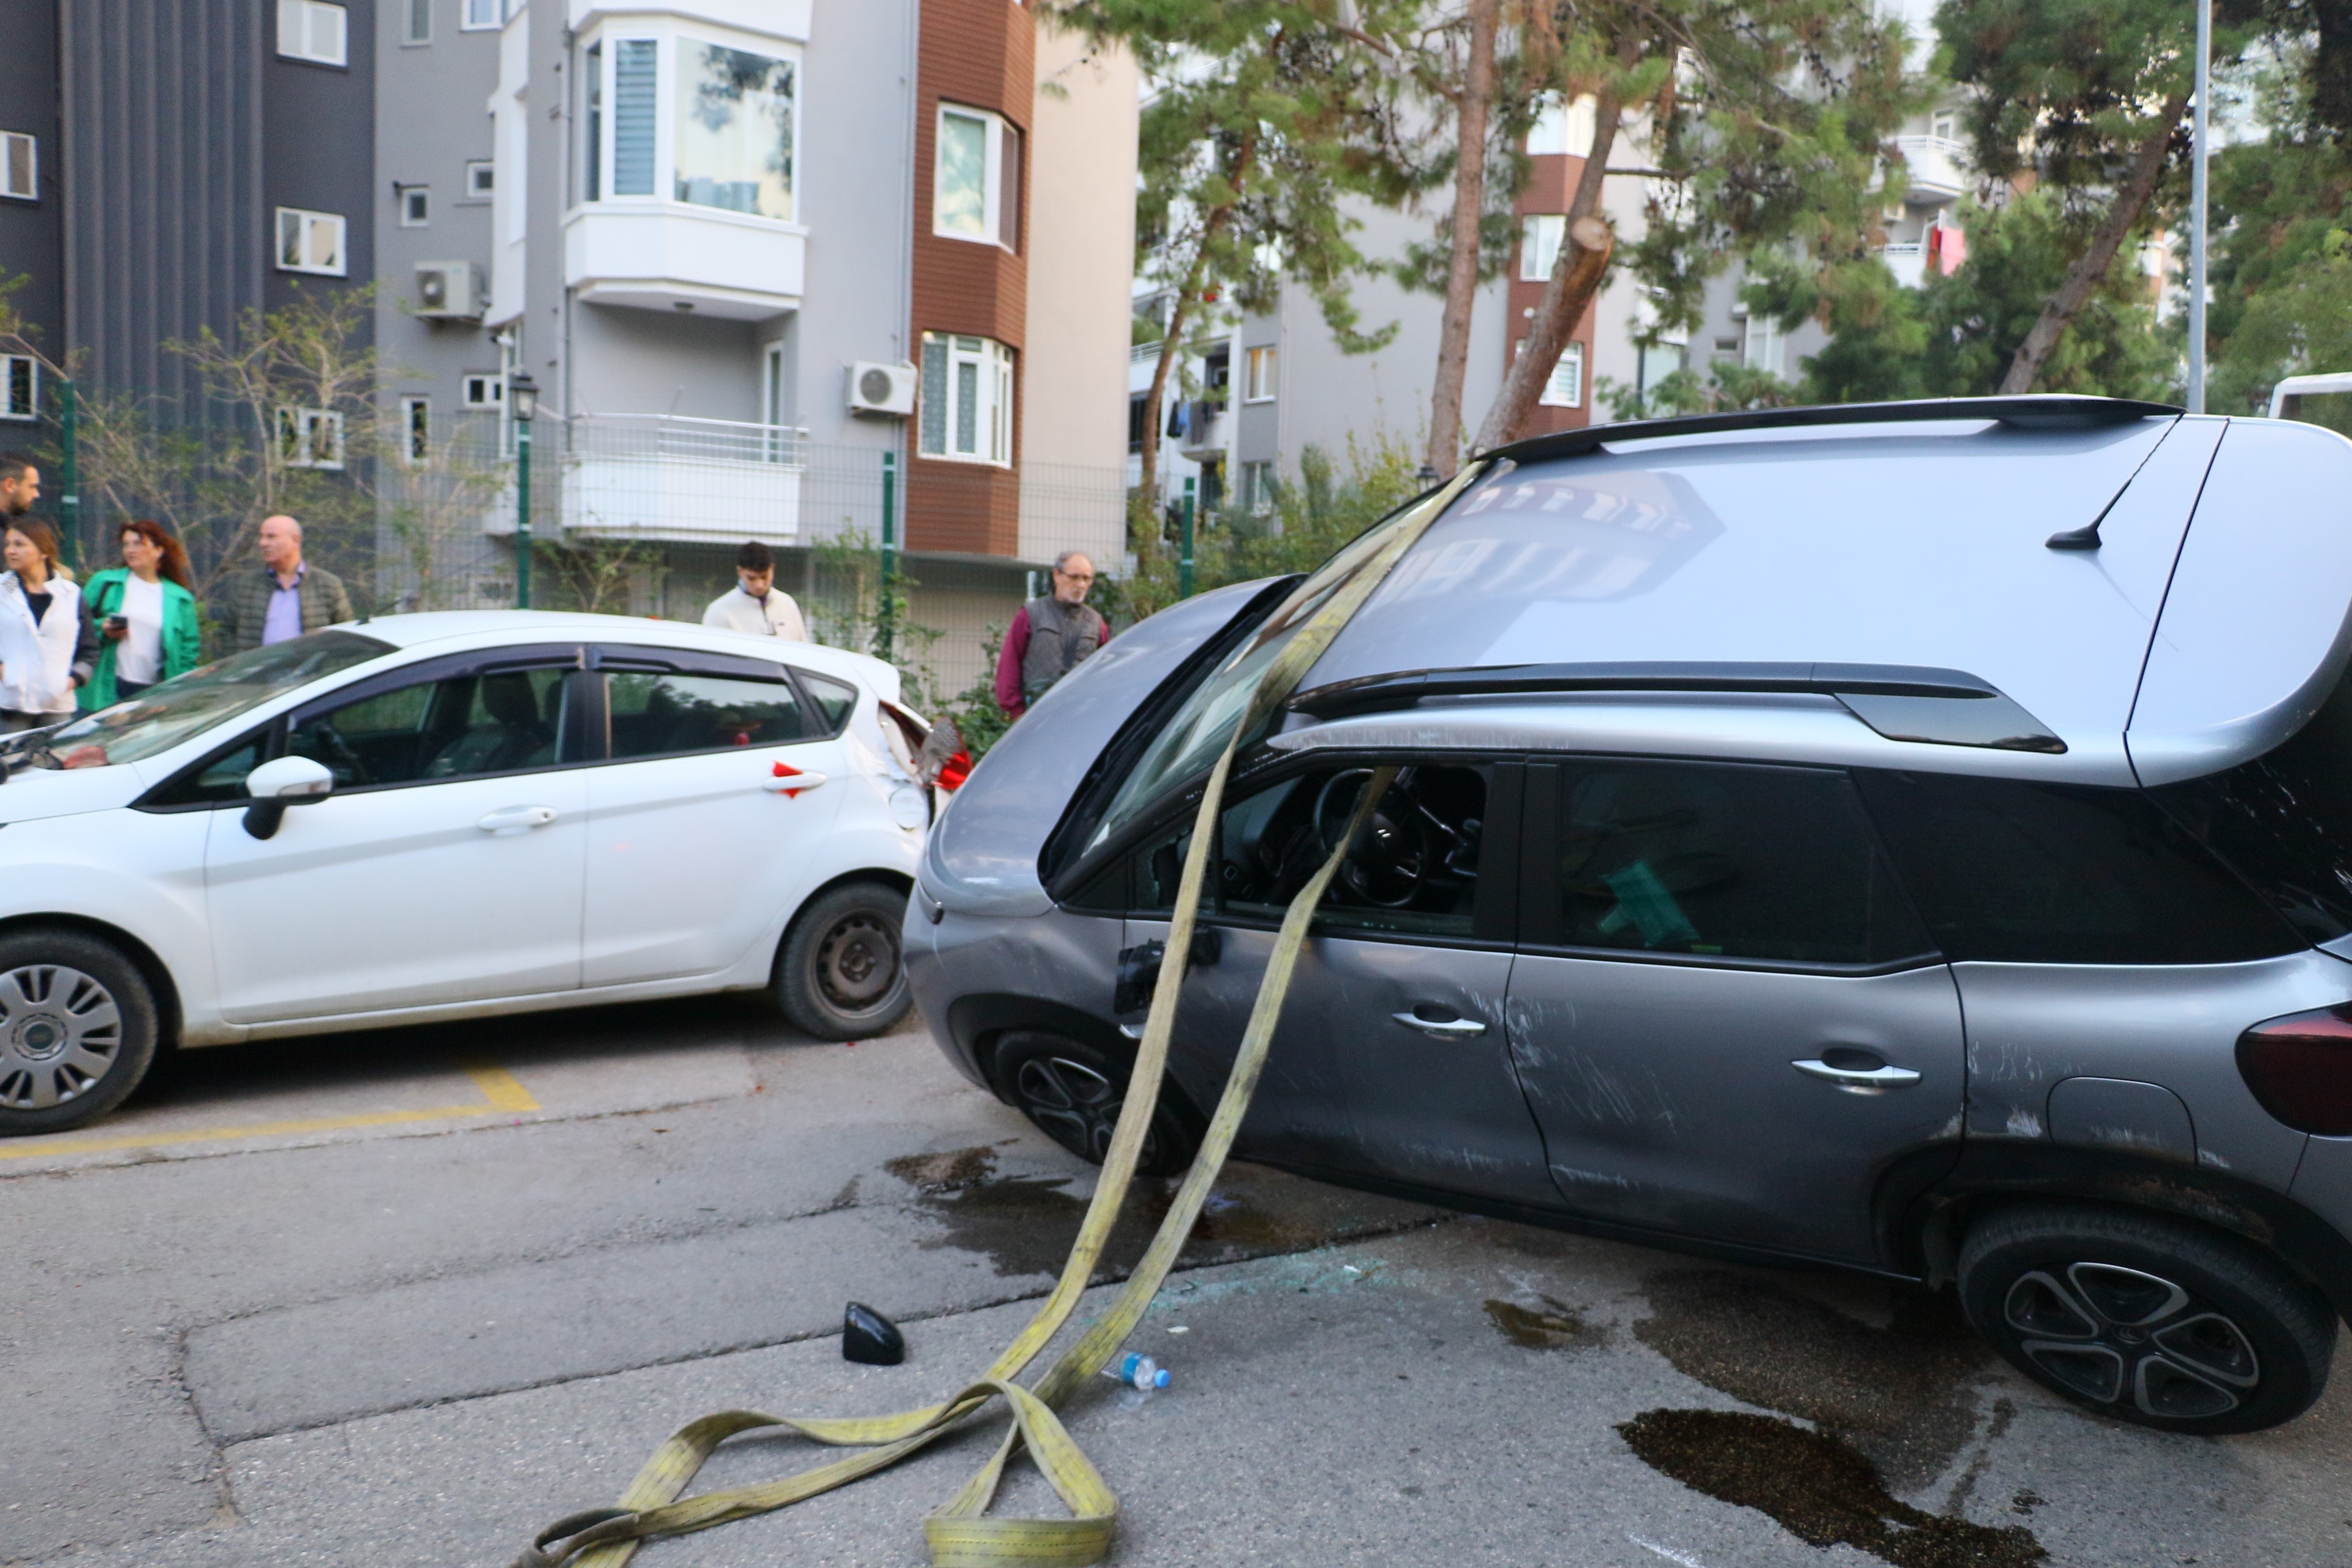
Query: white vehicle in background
[(450, 815), (2315, 400)]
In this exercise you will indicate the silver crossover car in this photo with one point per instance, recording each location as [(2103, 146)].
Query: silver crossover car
[(1916, 839)]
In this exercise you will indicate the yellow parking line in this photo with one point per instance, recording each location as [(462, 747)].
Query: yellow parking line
[(501, 1092), (500, 1087)]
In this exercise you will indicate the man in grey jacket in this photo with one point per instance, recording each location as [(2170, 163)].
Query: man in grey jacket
[(1049, 637), (287, 598)]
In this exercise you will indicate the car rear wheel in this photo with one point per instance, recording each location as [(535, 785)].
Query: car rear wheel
[(2147, 1318), (841, 976), (1073, 1093), (77, 1029)]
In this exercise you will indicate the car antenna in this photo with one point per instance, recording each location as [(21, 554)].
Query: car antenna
[(2087, 536)]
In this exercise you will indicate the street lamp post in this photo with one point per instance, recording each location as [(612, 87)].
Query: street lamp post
[(2198, 155), (1184, 547), (523, 404)]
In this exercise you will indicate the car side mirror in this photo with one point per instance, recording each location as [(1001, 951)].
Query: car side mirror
[(275, 785)]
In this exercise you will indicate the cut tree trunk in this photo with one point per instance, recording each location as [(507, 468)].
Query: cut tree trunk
[(1576, 277), (1469, 207), (2091, 266)]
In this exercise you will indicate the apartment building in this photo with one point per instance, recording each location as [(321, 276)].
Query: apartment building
[(745, 250)]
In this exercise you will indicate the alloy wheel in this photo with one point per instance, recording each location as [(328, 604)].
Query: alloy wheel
[(60, 1033), (1077, 1105), (2114, 1335)]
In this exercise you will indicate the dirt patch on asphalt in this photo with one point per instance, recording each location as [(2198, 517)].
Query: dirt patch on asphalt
[(1558, 1327), (1900, 1394), (1820, 1490)]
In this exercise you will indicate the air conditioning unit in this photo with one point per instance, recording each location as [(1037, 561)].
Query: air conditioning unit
[(881, 388), (450, 291)]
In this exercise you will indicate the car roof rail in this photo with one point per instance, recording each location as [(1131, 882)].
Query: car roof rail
[(1900, 702), (2035, 411)]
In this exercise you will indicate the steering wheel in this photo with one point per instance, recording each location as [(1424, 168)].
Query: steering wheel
[(1391, 859), (338, 757)]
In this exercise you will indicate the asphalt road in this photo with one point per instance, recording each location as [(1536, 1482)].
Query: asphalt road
[(406, 1297)]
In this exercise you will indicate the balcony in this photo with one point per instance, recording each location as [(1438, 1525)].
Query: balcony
[(665, 476), (1207, 430), (1907, 262), (671, 256), (1937, 167)]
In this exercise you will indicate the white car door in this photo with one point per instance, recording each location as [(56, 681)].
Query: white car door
[(446, 867), (696, 835)]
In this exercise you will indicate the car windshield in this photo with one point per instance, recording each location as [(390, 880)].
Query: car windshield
[(161, 717), (1188, 746)]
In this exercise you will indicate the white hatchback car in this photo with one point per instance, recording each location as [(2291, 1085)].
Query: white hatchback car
[(448, 815)]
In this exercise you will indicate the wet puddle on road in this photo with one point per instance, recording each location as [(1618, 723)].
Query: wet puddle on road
[(1556, 1329), (1024, 1224), (1893, 1407), (1821, 1490)]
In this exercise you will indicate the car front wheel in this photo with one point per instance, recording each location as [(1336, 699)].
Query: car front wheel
[(2147, 1318), (77, 1030), (840, 976), (1073, 1093)]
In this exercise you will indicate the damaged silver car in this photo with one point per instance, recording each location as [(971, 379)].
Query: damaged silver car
[(1916, 839)]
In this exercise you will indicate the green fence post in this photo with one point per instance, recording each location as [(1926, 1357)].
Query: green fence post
[(1184, 555), (885, 622), (68, 474), (522, 514)]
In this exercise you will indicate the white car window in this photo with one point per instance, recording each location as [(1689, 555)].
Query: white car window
[(667, 714), (162, 717), (459, 726)]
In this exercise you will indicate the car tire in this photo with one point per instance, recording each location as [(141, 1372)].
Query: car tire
[(77, 1029), (1073, 1093), (2147, 1318), (840, 974)]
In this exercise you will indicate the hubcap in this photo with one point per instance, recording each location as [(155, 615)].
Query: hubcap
[(1078, 1106), (857, 963), (2111, 1335), (60, 1031)]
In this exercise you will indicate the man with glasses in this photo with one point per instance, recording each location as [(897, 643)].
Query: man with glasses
[(1049, 637)]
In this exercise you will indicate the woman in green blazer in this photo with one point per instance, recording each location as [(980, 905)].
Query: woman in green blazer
[(144, 616)]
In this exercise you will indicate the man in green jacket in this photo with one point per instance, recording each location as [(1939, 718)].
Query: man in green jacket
[(287, 598)]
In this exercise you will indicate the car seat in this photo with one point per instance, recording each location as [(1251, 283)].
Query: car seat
[(515, 735)]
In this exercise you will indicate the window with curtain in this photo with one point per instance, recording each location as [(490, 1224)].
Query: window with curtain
[(966, 412), (635, 87), (976, 177)]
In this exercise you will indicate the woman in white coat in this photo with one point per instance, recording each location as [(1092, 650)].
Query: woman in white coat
[(44, 649)]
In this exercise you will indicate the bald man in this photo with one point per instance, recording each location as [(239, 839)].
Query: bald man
[(287, 598)]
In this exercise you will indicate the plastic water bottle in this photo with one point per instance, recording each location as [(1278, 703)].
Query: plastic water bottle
[(1137, 1372)]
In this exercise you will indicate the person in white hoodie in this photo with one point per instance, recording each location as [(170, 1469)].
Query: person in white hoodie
[(46, 652)]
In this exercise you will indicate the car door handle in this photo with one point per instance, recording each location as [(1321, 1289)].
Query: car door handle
[(513, 819), (1858, 1080), (1442, 1028), (789, 781)]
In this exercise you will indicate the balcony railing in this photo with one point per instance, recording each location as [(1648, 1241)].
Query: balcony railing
[(1935, 165)]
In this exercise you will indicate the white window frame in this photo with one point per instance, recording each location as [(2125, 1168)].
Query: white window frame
[(481, 16), (410, 35), (311, 437), (14, 368), (1000, 208), (1564, 388), (415, 206), (992, 417), (414, 437), (1261, 373), (306, 221), (1257, 486), (10, 140), (299, 25), (1765, 348), (1541, 238), (1564, 127), (482, 392), (481, 179), (668, 39)]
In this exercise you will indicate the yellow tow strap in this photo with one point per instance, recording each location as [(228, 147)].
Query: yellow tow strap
[(962, 1533)]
